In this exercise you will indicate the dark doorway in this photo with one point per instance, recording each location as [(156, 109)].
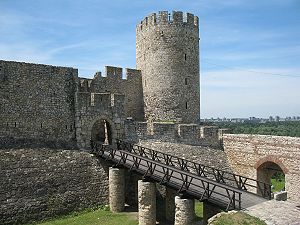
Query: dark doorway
[(101, 132)]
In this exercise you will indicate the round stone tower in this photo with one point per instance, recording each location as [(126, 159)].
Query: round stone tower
[(167, 53)]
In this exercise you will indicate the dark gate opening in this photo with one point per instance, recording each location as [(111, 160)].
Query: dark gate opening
[(101, 132)]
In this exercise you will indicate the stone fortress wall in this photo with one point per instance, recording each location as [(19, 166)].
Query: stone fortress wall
[(42, 183), (167, 53), (53, 103), (37, 101), (113, 82)]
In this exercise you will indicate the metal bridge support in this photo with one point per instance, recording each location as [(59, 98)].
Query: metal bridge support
[(147, 202), (209, 211), (184, 211), (170, 204), (116, 189)]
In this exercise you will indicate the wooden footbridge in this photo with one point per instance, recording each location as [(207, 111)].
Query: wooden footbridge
[(226, 190)]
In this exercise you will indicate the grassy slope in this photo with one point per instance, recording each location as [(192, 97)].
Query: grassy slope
[(239, 218), (97, 217), (104, 217), (199, 210)]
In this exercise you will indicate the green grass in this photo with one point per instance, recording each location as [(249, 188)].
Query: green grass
[(97, 217), (199, 210), (238, 218), (278, 184)]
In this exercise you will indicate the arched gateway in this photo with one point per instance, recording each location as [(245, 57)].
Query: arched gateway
[(99, 118), (102, 132), (271, 170)]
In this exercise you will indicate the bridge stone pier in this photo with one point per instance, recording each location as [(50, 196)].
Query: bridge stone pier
[(147, 202), (184, 211), (116, 189), (179, 210)]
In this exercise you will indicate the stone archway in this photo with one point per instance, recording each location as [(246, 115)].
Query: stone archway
[(101, 131), (269, 170)]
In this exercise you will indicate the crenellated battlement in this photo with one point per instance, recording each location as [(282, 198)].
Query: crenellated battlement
[(111, 72), (193, 134), (113, 78), (165, 18)]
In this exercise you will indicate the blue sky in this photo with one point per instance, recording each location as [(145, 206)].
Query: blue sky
[(249, 50)]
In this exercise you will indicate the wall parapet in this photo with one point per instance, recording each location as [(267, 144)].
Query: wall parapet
[(173, 132), (111, 73), (165, 18)]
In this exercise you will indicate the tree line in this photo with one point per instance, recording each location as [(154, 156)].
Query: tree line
[(288, 128)]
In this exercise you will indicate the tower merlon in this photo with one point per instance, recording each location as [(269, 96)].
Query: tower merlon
[(111, 71), (132, 73), (164, 17)]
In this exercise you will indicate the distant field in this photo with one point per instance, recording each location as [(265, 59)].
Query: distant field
[(291, 129)]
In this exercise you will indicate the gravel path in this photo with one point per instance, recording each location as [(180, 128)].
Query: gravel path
[(277, 212)]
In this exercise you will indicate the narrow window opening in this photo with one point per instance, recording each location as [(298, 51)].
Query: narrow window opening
[(185, 57), (186, 105), (66, 127), (185, 81), (41, 125), (7, 124), (15, 124)]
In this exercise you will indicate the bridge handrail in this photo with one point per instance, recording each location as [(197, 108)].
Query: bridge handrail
[(207, 186), (220, 176)]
